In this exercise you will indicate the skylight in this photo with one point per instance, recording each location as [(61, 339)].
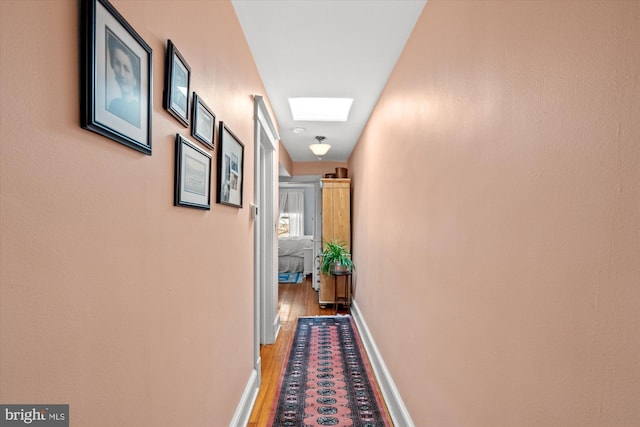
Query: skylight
[(320, 109)]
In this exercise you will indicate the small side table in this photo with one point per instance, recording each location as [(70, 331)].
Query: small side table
[(346, 298)]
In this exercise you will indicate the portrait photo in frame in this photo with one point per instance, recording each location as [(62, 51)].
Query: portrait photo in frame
[(116, 73), (203, 122), (230, 168), (177, 81), (192, 175)]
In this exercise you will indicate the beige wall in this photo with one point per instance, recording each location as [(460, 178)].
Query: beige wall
[(497, 248), (284, 158), (316, 168), (133, 311)]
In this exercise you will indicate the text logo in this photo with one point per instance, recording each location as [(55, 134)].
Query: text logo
[(35, 415)]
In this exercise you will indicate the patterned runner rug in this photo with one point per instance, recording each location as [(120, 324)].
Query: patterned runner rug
[(327, 380)]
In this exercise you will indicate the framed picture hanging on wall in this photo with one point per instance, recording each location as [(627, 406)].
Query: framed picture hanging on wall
[(192, 175), (230, 168), (177, 80), (203, 122), (116, 73)]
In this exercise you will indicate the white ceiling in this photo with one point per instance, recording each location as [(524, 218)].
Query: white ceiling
[(325, 48)]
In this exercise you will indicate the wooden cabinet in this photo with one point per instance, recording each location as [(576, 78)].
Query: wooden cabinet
[(336, 225)]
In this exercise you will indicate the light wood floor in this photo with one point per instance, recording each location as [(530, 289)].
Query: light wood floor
[(294, 300)]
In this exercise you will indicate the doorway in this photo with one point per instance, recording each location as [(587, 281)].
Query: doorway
[(310, 186), (266, 320)]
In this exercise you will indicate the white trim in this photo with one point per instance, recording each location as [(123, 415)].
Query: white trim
[(317, 237), (397, 409), (265, 274), (276, 327), (257, 245), (266, 245), (262, 115), (248, 399)]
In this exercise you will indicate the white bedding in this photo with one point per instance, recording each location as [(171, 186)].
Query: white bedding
[(291, 253)]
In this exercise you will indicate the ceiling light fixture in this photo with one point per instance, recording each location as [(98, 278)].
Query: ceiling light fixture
[(298, 130), (320, 109), (320, 149)]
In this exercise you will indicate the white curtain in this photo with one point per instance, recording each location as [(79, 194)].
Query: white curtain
[(282, 202), (295, 206), (292, 202)]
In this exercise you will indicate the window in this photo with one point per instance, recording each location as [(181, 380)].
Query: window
[(291, 218), (283, 225)]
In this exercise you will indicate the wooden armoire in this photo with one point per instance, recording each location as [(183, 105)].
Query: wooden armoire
[(336, 225)]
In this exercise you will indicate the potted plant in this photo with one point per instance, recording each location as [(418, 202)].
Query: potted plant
[(335, 257)]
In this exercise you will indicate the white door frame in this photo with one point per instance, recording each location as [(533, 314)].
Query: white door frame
[(263, 211), (266, 319)]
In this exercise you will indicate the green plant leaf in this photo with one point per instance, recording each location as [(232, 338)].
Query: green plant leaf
[(335, 252)]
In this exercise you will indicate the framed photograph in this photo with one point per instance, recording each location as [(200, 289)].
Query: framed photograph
[(193, 175), (177, 79), (203, 122), (116, 77), (230, 168)]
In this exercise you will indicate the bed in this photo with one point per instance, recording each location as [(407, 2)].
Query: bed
[(291, 253)]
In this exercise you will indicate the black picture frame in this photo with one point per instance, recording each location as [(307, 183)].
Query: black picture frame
[(175, 98), (192, 175), (203, 122), (116, 77), (230, 168)]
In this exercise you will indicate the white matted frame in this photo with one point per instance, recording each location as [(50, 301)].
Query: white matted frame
[(192, 175), (116, 77), (203, 122), (230, 168), (177, 84)]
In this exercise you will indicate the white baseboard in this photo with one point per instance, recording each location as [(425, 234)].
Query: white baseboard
[(248, 399), (395, 404), (276, 327)]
